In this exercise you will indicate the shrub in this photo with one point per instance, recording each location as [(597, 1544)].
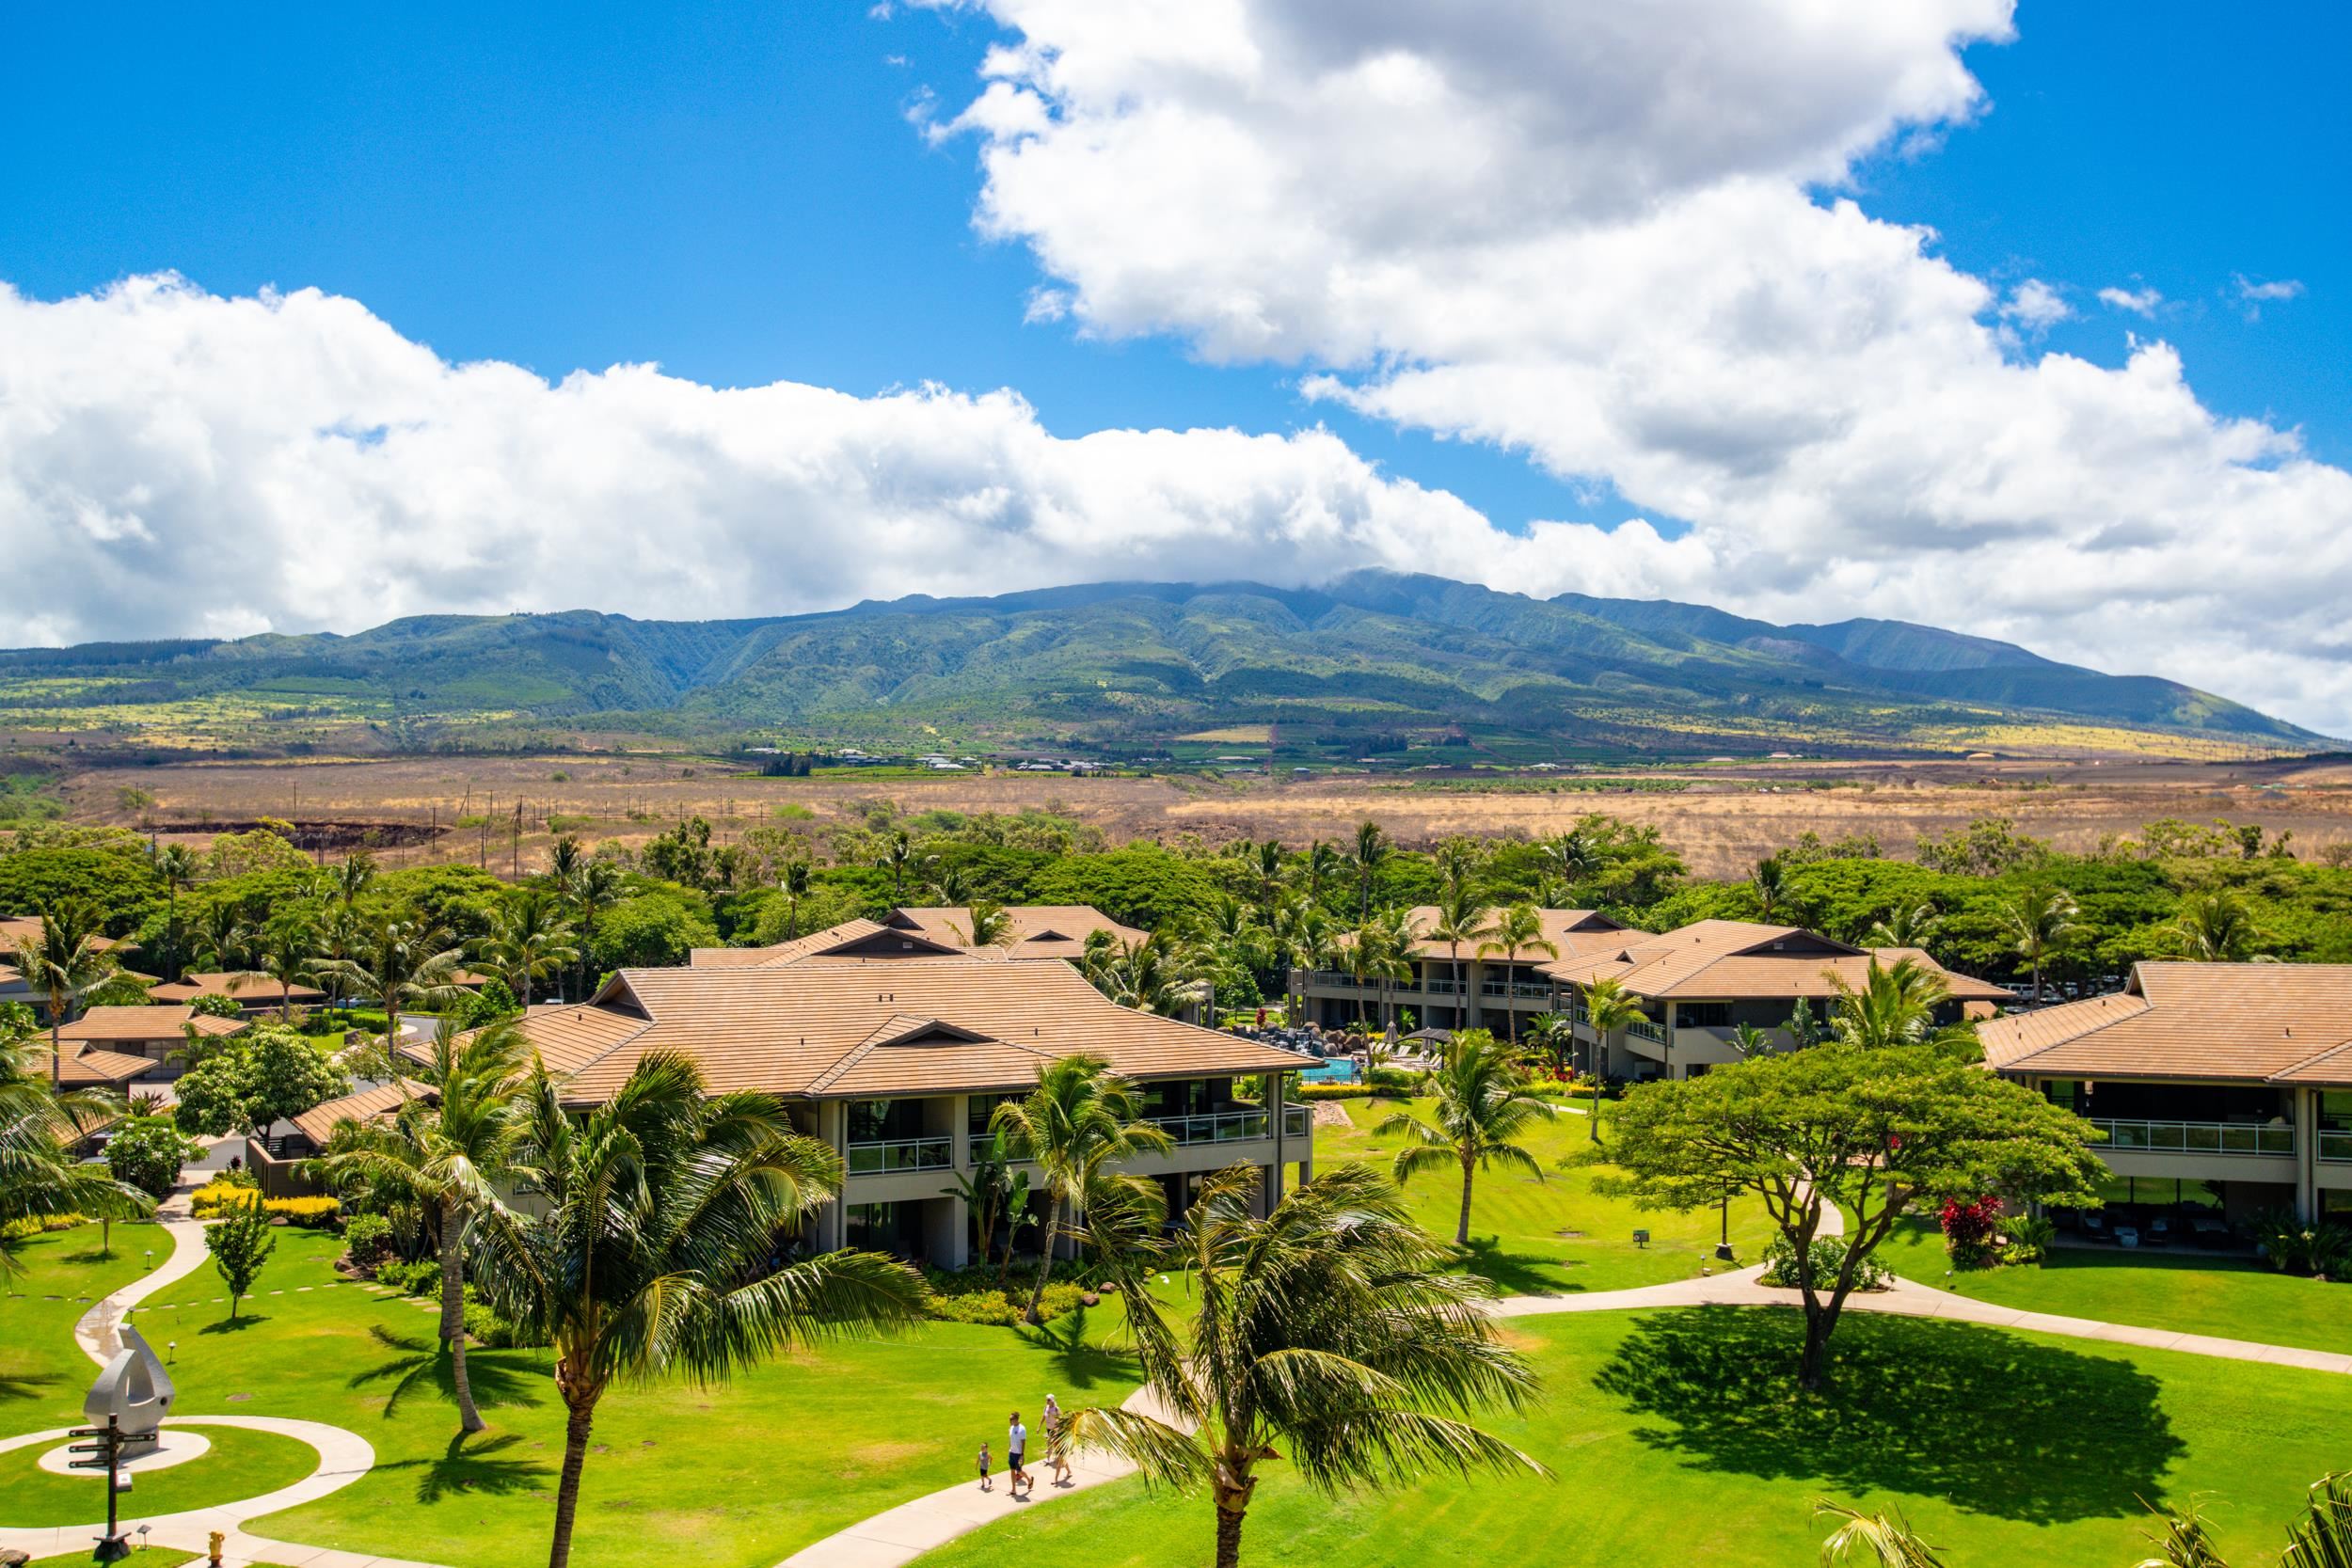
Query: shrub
[(39, 1225), (1968, 1231), (486, 1328), (420, 1278), (1333, 1091), (2029, 1239), (1828, 1255), (216, 1199), (212, 1006), (2303, 1247), (147, 1152), (368, 1238), (972, 1296), (311, 1213)]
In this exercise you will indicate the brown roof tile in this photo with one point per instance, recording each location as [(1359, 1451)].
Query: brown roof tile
[(96, 1066), (1737, 960), (2262, 1022), (101, 1024), (1038, 930), (256, 992), (319, 1121)]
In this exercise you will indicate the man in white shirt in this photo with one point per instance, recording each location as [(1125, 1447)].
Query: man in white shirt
[(1016, 1441)]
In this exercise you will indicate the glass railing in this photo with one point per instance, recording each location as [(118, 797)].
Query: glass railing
[(2196, 1138), (1295, 1124), (1440, 986), (1643, 1029), (2336, 1146), (1215, 1127), (881, 1159)]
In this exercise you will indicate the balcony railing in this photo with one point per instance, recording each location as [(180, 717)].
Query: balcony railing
[(1438, 985), (1295, 1124), (2195, 1137), (883, 1159), (1643, 1029), (2336, 1146), (1215, 1127), (1530, 989)]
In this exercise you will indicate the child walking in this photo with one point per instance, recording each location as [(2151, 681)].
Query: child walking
[(985, 1484)]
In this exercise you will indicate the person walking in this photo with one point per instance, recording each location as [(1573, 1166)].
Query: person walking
[(1055, 1455), (985, 1484), (1016, 1443)]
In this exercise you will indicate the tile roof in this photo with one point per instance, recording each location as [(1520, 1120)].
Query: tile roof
[(27, 927), (1736, 960), (254, 992), (146, 1024), (2266, 1022), (850, 940), (95, 1066), (1575, 932), (319, 1121), (807, 1029), (1038, 930), (568, 1035)]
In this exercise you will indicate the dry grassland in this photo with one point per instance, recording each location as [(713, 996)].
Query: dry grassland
[(1720, 819)]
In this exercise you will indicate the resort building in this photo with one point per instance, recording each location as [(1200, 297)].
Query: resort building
[(149, 1034), (898, 1060), (1456, 987), (1699, 984), (1034, 931), (255, 994), (2227, 1085)]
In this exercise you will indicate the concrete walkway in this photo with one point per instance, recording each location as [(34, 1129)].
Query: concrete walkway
[(96, 1331)]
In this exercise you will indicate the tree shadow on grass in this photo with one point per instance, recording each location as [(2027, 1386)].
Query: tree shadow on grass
[(235, 1325), (1985, 1420), (475, 1467), (1079, 1363), (420, 1364), (1519, 1273), (29, 1385)]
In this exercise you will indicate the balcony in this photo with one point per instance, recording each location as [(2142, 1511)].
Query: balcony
[(1297, 1123), (1442, 986), (2195, 1137), (902, 1154), (2336, 1147), (1216, 1127), (1643, 1029), (1525, 990)]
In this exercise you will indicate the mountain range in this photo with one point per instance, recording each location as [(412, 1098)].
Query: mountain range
[(1374, 660)]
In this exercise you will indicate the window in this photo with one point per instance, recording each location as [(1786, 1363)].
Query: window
[(873, 1121), (1703, 1015)]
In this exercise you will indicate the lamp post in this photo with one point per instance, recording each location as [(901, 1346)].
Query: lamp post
[(1723, 1244)]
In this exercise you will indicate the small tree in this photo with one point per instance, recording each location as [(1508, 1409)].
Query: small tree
[(147, 1152), (240, 1243), (1483, 1105), (213, 1005), (1874, 1131), (264, 1076)]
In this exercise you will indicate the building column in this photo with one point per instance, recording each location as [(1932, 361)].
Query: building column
[(1277, 1111), (1668, 1069), (832, 1124), (1473, 997), (2307, 1154)]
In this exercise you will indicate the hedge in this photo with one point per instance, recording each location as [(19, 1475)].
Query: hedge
[(314, 1214)]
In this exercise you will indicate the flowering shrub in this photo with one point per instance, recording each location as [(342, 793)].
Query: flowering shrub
[(1827, 1255), (1969, 1230)]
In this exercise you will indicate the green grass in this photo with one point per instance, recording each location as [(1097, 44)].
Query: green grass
[(1677, 1437), (1555, 1235), (733, 1476), (44, 1374), (240, 1464), (2191, 1292)]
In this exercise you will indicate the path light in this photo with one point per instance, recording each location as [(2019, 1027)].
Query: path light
[(151, 1258), (172, 1349)]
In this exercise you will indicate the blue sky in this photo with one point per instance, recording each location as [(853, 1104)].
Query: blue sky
[(734, 191), (1483, 249)]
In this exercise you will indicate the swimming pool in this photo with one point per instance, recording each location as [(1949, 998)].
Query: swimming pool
[(1341, 1070)]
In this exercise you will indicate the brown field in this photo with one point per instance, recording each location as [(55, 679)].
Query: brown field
[(1721, 819)]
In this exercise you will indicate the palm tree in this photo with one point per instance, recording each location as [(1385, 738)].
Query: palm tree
[(178, 866), (1265, 863), (595, 888), (1895, 1006), (1768, 882), (40, 1125), (661, 1209), (1460, 918), (1329, 1332), (1458, 861), (61, 963), (1608, 1007), (286, 955), (898, 857), (1080, 1117), (565, 858), (1915, 927), (1515, 931), (1553, 1034), (796, 879), (987, 925), (1372, 852), (1882, 1540), (441, 1153), (991, 1192), (1146, 974), (950, 885), (2215, 926), (528, 939), (1372, 954), (347, 881), (1322, 866), (1393, 938), (1483, 1105), (400, 963), (2040, 918), (222, 935), (1573, 856)]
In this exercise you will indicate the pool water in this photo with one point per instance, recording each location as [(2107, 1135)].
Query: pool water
[(1340, 1071)]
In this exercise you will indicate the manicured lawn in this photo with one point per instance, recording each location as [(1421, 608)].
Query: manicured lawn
[(1676, 1437), (44, 1374), (2192, 1291), (240, 1464), (1556, 1235), (733, 1476)]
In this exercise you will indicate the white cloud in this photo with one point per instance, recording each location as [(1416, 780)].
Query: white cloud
[(2035, 306), (2252, 295), (2139, 302), (1598, 234)]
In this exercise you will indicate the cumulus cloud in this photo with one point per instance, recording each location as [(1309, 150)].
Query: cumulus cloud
[(2139, 302), (173, 462), (2252, 295), (1621, 240)]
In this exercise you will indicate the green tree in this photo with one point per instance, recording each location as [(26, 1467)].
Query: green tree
[(529, 941), (240, 1243), (1905, 926), (652, 930), (1079, 1119), (993, 1192), (1460, 918), (1483, 1107), (795, 883), (40, 1125), (1321, 867), (1146, 974), (986, 925), (441, 1152), (147, 1152), (1372, 852), (1895, 1005), (1329, 1332), (898, 857), (1874, 1131), (66, 959), (400, 963), (267, 1075), (593, 889), (661, 1208), (1608, 1007), (2215, 926), (285, 954), (2040, 917), (1768, 884)]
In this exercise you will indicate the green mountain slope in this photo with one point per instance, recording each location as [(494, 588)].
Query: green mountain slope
[(1377, 660)]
